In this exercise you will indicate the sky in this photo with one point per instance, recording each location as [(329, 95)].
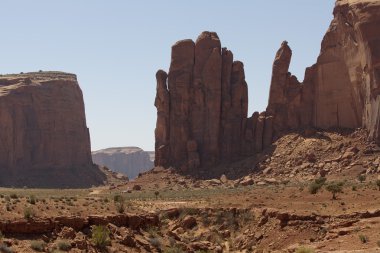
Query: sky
[(115, 48)]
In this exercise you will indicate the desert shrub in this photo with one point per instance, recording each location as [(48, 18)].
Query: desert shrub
[(64, 245), (321, 180), (13, 196), (361, 178), (152, 231), (304, 250), (28, 212), (32, 200), (206, 221), (156, 193), (316, 185), (38, 245), (120, 204), (100, 236), (5, 249), (117, 198), (378, 184), (354, 188), (155, 242), (363, 238), (314, 188), (7, 198), (334, 188), (187, 211), (173, 249)]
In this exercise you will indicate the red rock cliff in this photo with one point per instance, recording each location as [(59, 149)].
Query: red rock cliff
[(202, 102), (44, 138)]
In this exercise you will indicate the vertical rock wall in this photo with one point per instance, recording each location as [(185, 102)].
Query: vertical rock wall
[(206, 100)]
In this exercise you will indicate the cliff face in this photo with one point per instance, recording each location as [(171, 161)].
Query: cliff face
[(127, 160), (202, 101), (202, 106), (44, 138), (342, 89)]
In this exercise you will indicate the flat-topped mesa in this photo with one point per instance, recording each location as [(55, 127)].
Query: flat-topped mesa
[(202, 106), (44, 138)]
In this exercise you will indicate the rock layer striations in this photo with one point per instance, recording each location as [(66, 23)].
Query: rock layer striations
[(43, 134), (130, 161), (202, 102)]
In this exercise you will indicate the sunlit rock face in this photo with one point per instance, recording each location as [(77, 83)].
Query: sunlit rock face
[(202, 102), (44, 138)]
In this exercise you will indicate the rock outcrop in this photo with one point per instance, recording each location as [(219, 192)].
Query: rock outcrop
[(202, 102), (127, 160), (342, 89), (202, 106), (43, 134)]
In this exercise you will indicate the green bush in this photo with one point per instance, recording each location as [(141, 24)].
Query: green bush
[(361, 178), (100, 236), (316, 185), (38, 245), (304, 250), (32, 200), (363, 238), (28, 212), (120, 203), (174, 249), (334, 188), (378, 183), (13, 196), (64, 245), (5, 249)]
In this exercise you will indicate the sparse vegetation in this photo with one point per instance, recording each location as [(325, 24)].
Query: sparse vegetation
[(378, 184), (334, 188), (316, 185), (304, 250), (5, 249), (64, 245), (38, 245), (28, 212), (120, 203), (363, 238), (100, 236), (173, 249), (32, 200), (155, 242), (361, 178)]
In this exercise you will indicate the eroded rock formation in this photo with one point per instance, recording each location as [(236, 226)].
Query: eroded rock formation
[(342, 89), (202, 105), (44, 140), (127, 160)]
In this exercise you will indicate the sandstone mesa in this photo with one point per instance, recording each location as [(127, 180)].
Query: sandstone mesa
[(45, 141)]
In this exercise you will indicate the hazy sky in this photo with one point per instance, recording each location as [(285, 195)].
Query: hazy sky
[(116, 47)]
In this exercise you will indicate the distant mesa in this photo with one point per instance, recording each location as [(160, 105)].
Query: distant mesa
[(129, 161), (202, 101), (44, 139)]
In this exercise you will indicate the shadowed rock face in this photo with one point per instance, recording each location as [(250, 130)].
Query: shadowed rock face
[(127, 160), (44, 138), (202, 105)]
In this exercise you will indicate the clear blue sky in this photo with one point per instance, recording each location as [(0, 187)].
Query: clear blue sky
[(116, 47)]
